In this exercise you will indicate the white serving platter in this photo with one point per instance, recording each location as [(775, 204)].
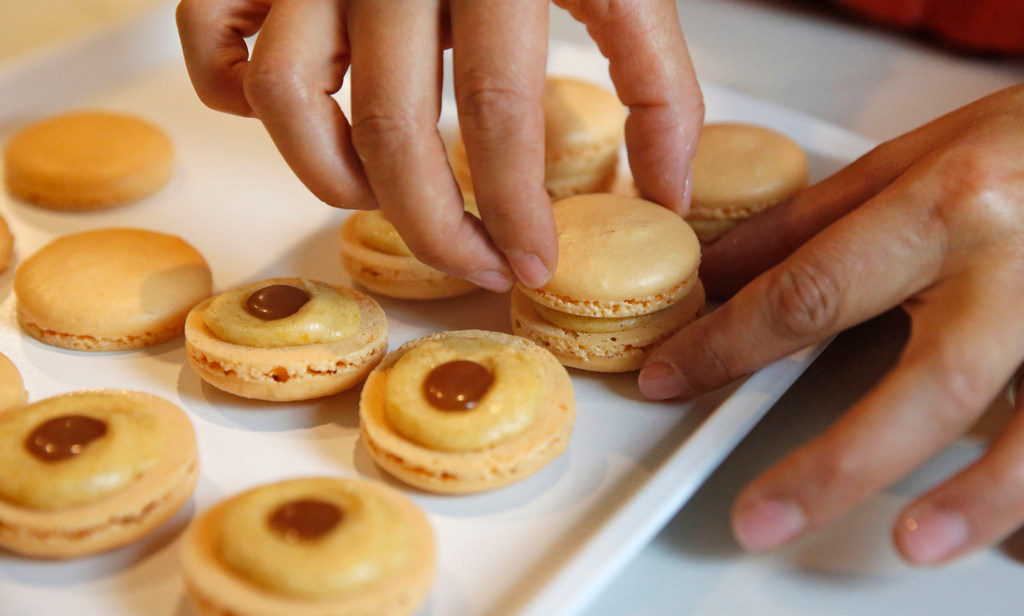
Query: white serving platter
[(542, 547)]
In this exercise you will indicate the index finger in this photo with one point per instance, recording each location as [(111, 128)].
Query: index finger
[(213, 37), (838, 279)]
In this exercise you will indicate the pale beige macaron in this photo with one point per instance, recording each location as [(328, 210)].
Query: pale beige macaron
[(87, 160), (6, 244), (110, 289), (310, 546), (466, 411), (286, 339), (12, 387), (584, 127), (739, 170), (377, 258), (626, 280), (90, 471)]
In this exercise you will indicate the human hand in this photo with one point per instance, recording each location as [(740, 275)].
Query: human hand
[(389, 154), (932, 221)]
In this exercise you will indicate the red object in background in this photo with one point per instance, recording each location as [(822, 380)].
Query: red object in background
[(980, 25)]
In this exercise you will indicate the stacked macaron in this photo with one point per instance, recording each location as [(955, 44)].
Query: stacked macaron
[(583, 132), (739, 170), (626, 280)]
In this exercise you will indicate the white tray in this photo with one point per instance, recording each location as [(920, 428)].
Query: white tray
[(542, 547)]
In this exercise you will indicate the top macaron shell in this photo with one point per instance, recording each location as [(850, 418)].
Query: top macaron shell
[(618, 256), (87, 160), (110, 289)]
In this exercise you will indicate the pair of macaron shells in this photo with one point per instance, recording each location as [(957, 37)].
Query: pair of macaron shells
[(583, 134)]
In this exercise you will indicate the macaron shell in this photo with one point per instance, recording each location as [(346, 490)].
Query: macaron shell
[(288, 373), (87, 160), (110, 289), (618, 256), (12, 387), (738, 170), (215, 590), (463, 472), (399, 276), (121, 517), (6, 245), (621, 351)]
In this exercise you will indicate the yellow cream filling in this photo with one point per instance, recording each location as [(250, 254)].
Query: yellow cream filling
[(377, 232), (374, 229), (370, 541), (508, 408), (328, 316), (132, 445), (592, 325)]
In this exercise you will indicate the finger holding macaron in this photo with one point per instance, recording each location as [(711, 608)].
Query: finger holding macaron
[(627, 279)]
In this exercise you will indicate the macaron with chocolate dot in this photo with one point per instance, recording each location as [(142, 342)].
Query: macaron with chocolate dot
[(739, 170), (310, 546), (286, 339), (90, 471), (627, 279), (466, 411), (110, 289), (87, 160)]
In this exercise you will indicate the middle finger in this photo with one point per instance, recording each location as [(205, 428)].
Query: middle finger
[(396, 68)]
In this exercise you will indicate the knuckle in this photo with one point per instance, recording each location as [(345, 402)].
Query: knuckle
[(803, 300), (491, 109), (384, 134), (974, 190), (272, 82)]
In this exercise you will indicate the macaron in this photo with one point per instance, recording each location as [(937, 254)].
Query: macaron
[(377, 258), (110, 289), (90, 471), (584, 127), (626, 280), (286, 339), (6, 244), (466, 411), (739, 170), (310, 546), (87, 160), (12, 387)]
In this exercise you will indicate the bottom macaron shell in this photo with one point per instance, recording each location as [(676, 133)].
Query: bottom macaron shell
[(215, 590), (621, 351), (463, 472), (118, 519), (288, 373), (398, 276)]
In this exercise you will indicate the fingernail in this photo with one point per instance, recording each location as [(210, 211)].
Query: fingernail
[(659, 381), (529, 269), (492, 280), (768, 524), (934, 536)]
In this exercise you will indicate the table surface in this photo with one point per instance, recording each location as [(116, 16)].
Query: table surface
[(871, 81)]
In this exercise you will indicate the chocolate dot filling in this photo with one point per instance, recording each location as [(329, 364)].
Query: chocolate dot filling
[(64, 437), (305, 519), (457, 385), (276, 302)]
